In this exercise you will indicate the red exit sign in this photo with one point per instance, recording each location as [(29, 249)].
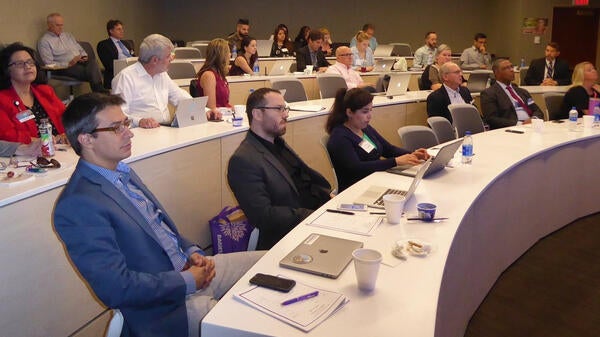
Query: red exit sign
[(581, 2)]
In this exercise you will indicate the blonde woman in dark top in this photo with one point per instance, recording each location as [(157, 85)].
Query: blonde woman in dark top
[(584, 87)]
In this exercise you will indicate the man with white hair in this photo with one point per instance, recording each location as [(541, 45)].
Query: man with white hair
[(343, 67), (60, 49), (147, 88)]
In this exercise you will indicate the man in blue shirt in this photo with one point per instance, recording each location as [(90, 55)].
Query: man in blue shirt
[(122, 240)]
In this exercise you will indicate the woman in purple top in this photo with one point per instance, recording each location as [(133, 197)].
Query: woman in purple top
[(244, 62), (356, 149), (211, 77)]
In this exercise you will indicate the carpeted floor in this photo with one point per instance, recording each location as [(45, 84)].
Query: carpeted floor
[(553, 290)]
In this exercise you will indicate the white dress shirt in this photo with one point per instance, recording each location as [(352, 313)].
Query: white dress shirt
[(455, 97), (147, 96)]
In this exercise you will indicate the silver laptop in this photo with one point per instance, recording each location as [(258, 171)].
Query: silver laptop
[(439, 162), (383, 50), (384, 65), (321, 255), (280, 67), (397, 86), (373, 196), (190, 112), (263, 47)]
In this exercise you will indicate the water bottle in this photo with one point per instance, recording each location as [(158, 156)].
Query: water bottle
[(596, 116), (45, 129), (467, 148), (522, 62), (573, 114), (234, 52), (256, 68)]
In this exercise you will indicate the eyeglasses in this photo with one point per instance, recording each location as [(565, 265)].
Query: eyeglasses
[(346, 54), (23, 64), (117, 129), (280, 108)]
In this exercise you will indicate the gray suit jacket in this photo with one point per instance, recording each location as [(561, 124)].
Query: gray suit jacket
[(498, 109), (266, 192)]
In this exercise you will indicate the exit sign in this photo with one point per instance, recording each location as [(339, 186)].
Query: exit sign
[(581, 2)]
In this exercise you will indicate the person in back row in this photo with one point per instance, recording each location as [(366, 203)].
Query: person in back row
[(113, 48), (477, 56), (242, 29), (147, 88), (311, 54), (121, 239), (343, 67), (246, 58), (504, 104), (274, 187), (211, 77), (431, 78), (425, 55), (368, 29), (61, 50), (355, 147), (549, 70)]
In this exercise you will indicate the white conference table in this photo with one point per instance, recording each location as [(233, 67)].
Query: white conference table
[(519, 188)]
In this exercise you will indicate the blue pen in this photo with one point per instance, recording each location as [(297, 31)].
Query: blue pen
[(301, 298)]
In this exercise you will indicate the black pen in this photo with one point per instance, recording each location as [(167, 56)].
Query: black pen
[(377, 213), (421, 219), (341, 212), (514, 131)]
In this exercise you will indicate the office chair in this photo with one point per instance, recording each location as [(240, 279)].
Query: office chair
[(69, 81), (187, 53), (330, 84), (477, 81), (417, 136), (201, 47), (401, 49), (294, 89), (444, 131), (115, 325), (324, 140), (466, 117), (553, 104), (181, 69)]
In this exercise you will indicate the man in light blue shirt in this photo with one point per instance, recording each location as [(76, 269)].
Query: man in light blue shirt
[(368, 29), (60, 50), (425, 55)]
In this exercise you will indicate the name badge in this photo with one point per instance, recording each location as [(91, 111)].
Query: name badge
[(368, 147), (530, 101), (25, 115)]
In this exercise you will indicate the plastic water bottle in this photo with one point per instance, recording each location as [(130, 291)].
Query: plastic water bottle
[(573, 114), (522, 62), (467, 148), (45, 129), (234, 52), (596, 116), (256, 68)]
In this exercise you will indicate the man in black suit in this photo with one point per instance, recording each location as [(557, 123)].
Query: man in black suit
[(549, 70), (274, 187), (311, 54), (504, 104), (113, 48), (451, 92)]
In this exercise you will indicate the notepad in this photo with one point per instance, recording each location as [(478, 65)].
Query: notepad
[(306, 107), (304, 315), (359, 223)]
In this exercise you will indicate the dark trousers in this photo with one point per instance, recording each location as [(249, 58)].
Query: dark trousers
[(87, 72)]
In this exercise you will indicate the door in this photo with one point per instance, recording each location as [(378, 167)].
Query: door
[(575, 29)]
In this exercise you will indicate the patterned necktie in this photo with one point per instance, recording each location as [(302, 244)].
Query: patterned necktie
[(123, 49), (550, 70), (519, 100)]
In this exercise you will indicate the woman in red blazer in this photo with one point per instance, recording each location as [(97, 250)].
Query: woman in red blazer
[(24, 99)]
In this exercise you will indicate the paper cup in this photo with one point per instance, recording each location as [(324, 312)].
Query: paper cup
[(366, 265), (309, 69), (239, 109), (426, 211), (394, 206), (537, 124), (588, 121)]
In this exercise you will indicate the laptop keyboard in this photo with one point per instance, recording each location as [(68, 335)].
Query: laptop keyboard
[(379, 200)]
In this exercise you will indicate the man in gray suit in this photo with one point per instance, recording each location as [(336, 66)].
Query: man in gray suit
[(274, 187), (504, 104)]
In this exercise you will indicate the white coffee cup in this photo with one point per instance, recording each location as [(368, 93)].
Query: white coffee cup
[(309, 69), (366, 265), (239, 109), (588, 121), (394, 206), (537, 124)]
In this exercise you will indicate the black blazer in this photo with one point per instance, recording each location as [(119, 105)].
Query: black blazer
[(303, 58), (535, 74), (107, 51), (499, 110), (438, 101)]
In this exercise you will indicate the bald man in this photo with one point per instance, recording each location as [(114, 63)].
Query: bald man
[(343, 67)]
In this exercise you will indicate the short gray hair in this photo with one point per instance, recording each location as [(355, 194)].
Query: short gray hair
[(445, 68), (154, 45), (442, 48)]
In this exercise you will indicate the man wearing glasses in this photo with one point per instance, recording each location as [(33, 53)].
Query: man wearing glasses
[(451, 92), (274, 187), (343, 67), (146, 87), (121, 239)]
